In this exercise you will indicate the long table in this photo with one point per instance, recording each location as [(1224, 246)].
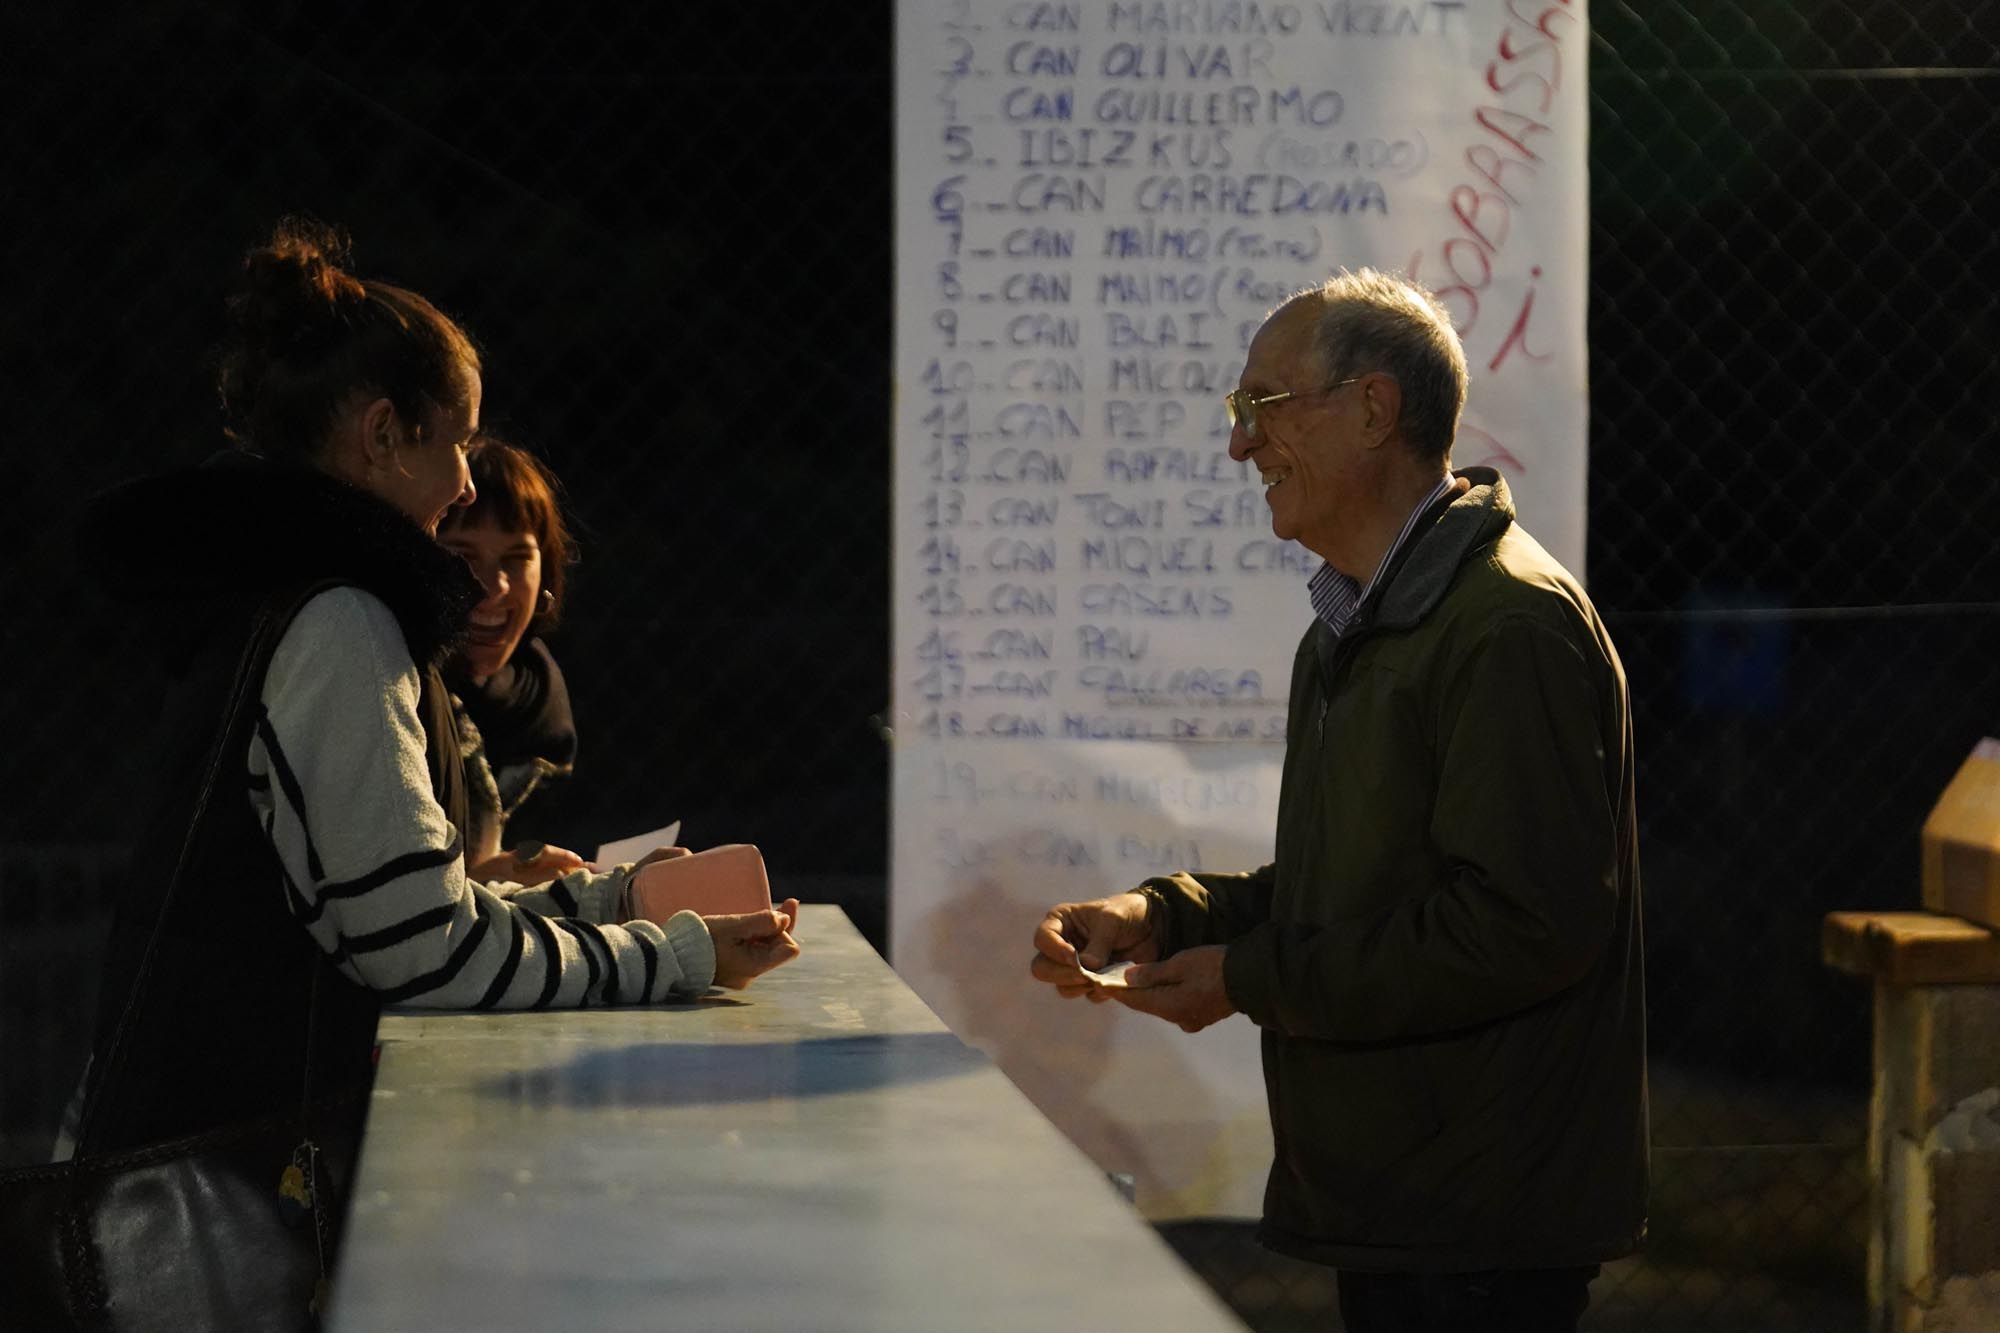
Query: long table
[(817, 1152)]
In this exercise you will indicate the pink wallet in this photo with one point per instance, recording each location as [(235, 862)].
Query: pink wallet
[(720, 881)]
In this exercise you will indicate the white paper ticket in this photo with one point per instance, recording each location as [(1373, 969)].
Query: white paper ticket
[(1111, 975)]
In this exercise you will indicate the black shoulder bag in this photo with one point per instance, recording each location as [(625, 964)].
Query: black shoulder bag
[(231, 1228)]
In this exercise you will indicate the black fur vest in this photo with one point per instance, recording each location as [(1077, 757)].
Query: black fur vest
[(208, 982)]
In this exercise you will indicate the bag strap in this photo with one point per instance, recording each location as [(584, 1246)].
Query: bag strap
[(231, 737)]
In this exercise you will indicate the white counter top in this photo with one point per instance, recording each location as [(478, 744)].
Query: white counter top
[(817, 1152)]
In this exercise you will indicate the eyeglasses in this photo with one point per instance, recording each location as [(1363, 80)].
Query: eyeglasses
[(1243, 408)]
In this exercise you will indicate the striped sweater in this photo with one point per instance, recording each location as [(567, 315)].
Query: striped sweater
[(373, 868)]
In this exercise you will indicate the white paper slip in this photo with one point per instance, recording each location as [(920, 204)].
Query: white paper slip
[(1111, 976), (631, 849)]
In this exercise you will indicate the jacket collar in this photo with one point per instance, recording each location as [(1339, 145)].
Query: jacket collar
[(1429, 560), (239, 528)]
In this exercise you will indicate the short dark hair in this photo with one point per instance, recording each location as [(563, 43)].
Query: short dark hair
[(516, 492), (1367, 320), (307, 336)]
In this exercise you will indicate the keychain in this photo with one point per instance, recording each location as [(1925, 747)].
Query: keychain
[(295, 1186)]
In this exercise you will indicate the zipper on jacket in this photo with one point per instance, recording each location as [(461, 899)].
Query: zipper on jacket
[(1330, 670)]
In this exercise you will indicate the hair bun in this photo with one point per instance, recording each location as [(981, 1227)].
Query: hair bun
[(308, 336), (297, 290)]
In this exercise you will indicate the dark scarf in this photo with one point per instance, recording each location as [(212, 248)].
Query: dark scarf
[(522, 710)]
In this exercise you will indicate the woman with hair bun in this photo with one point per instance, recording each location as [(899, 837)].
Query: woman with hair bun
[(303, 865), (515, 725)]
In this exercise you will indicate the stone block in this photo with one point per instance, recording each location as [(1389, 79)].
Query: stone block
[(1934, 1154), (1961, 841)]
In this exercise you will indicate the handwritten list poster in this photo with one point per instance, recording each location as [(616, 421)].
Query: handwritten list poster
[(1097, 202)]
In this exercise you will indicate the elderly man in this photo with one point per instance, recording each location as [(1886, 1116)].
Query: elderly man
[(1445, 957)]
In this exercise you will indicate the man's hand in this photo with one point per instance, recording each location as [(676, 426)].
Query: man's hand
[(1185, 989), (749, 944), (1107, 930)]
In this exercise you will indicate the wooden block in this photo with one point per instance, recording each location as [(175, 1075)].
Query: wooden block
[(1961, 842), (1910, 948)]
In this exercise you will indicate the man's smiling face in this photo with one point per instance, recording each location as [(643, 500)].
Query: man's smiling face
[(1301, 448)]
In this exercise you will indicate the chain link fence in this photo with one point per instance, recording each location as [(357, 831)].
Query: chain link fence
[(669, 228), (1793, 372)]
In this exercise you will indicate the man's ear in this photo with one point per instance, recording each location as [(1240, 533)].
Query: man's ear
[(1382, 407)]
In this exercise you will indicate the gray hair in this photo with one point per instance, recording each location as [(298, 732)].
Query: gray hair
[(1366, 321)]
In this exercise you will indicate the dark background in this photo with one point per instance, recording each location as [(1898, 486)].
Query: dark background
[(671, 243), (669, 229)]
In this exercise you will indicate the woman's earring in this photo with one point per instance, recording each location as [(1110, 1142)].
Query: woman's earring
[(548, 601)]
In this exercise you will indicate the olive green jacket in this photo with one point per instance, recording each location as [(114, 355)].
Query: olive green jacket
[(1445, 958)]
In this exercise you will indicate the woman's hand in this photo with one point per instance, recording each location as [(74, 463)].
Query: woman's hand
[(661, 854), (529, 863), (749, 944)]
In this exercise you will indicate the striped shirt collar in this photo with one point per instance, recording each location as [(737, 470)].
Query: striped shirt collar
[(1336, 597)]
